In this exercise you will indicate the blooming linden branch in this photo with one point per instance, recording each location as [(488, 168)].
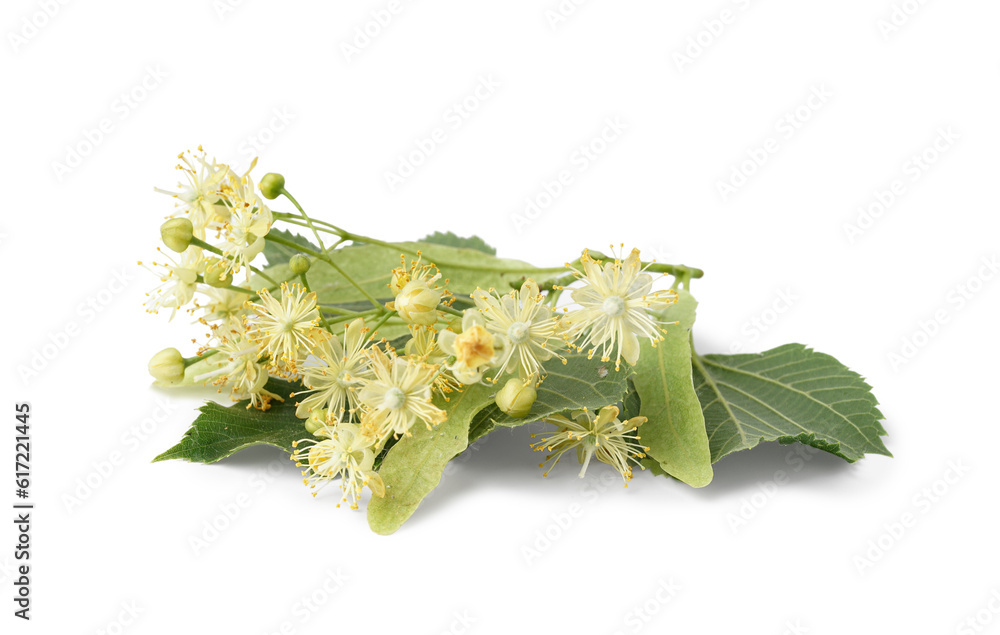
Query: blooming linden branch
[(360, 394)]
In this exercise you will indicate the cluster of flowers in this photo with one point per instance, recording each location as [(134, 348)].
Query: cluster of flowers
[(360, 392)]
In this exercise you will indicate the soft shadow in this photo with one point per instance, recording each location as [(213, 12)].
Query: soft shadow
[(799, 463), (255, 456), (500, 460)]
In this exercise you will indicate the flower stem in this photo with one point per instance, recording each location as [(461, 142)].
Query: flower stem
[(305, 283), (381, 323), (309, 221)]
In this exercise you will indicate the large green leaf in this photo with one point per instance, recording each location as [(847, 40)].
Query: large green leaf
[(790, 393), (579, 383), (413, 467), (675, 426), (219, 432)]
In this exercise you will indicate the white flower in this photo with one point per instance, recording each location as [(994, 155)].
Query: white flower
[(601, 436), (344, 452), (281, 328), (475, 349), (200, 197), (238, 365), (615, 303), (526, 327), (224, 305), (398, 394), (336, 371), (178, 281), (249, 222)]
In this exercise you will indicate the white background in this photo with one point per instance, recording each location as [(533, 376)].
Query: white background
[(218, 77)]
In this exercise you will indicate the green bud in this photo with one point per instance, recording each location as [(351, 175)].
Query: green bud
[(299, 264), (167, 366), (516, 397), (316, 420), (216, 274), (272, 185), (177, 233)]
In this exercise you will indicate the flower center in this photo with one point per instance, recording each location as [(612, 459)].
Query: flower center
[(613, 306), (518, 332), (394, 398), (343, 379)]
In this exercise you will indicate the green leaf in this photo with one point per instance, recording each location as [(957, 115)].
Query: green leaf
[(371, 266), (413, 467), (279, 254), (675, 426), (452, 240), (578, 384), (790, 393), (219, 432)]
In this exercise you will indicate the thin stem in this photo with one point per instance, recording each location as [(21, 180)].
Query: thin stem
[(325, 258), (381, 323), (329, 308), (655, 267), (362, 314), (319, 239), (322, 318)]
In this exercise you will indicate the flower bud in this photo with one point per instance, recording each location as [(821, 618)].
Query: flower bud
[(417, 303), (167, 366), (217, 274), (517, 396), (299, 264), (272, 185), (316, 420), (177, 233)]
